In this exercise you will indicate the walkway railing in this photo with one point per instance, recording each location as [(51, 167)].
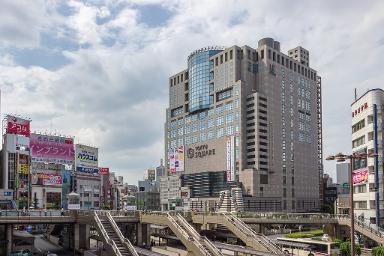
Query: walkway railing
[(124, 240), (105, 235)]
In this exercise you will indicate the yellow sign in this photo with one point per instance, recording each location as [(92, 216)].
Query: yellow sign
[(24, 168)]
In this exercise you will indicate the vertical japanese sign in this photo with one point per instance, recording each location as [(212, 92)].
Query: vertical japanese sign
[(52, 149), (179, 159), (86, 159), (230, 158), (172, 160), (18, 125)]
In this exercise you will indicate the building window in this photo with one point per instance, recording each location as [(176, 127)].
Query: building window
[(220, 132), (220, 120), (229, 118), (230, 130)]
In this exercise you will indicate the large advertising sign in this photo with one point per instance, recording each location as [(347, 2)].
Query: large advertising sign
[(360, 176), (86, 159), (48, 178), (18, 125), (230, 159), (176, 159), (52, 149)]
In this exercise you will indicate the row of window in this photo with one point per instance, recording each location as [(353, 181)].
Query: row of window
[(179, 78)]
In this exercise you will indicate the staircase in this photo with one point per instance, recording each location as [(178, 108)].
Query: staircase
[(237, 200), (206, 243), (249, 236), (190, 238), (112, 235), (375, 234)]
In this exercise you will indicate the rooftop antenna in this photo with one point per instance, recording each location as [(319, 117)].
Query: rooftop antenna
[(355, 94)]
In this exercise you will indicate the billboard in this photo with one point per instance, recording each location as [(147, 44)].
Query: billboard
[(230, 158), (49, 178), (104, 170), (360, 176), (18, 125), (176, 159), (52, 149), (86, 159)]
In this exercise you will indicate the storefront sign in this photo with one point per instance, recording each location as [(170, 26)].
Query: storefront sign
[(176, 159), (360, 176)]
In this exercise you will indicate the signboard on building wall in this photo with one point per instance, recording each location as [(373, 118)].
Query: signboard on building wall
[(48, 178), (86, 159), (18, 125), (230, 158), (171, 159), (176, 159), (104, 170), (52, 149), (360, 176), (23, 164)]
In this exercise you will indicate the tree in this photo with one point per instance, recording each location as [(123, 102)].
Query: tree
[(327, 208), (345, 249), (378, 251)]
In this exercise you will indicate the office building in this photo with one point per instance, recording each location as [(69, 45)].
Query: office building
[(160, 170), (150, 174), (342, 177), (250, 118), (367, 137)]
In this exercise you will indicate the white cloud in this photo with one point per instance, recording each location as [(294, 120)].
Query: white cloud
[(113, 95)]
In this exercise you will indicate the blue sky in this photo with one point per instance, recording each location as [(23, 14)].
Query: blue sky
[(98, 69)]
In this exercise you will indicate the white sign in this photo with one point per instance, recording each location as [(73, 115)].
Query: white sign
[(230, 145), (73, 206)]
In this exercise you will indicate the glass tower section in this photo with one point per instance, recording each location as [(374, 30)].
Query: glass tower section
[(199, 77)]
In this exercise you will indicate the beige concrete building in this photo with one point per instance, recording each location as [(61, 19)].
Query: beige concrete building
[(248, 117), (367, 137)]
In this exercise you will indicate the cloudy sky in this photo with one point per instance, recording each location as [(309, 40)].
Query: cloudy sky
[(98, 69)]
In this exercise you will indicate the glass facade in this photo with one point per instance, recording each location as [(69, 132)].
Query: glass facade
[(199, 77)]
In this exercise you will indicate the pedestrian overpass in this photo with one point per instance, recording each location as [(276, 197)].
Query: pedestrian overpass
[(183, 224)]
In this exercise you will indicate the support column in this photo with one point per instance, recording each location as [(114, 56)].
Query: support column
[(143, 234), (9, 238)]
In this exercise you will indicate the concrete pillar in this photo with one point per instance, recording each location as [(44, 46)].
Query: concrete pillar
[(143, 234), (81, 236), (9, 238)]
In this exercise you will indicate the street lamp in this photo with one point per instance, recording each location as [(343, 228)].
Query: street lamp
[(341, 158)]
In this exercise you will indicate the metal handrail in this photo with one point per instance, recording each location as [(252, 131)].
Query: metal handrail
[(124, 240), (205, 240), (186, 235), (105, 235)]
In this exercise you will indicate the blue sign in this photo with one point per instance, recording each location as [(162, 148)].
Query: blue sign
[(7, 193), (29, 229), (87, 169)]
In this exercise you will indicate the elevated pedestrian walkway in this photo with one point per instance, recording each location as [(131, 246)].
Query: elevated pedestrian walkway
[(252, 239), (192, 240), (112, 236)]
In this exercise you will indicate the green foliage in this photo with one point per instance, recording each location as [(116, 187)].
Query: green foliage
[(306, 234), (345, 249), (327, 208), (378, 251)]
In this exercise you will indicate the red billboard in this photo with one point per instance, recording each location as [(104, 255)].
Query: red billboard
[(18, 125), (52, 149), (360, 176), (103, 170)]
